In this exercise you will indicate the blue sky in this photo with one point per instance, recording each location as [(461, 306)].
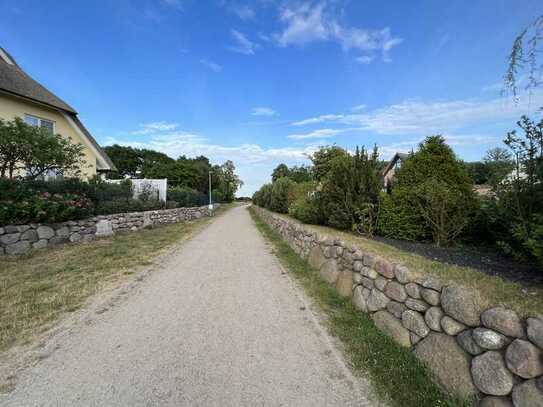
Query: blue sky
[(268, 81)]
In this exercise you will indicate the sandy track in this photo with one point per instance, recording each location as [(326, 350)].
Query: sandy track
[(218, 325)]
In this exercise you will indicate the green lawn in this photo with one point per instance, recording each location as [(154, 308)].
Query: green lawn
[(37, 289), (494, 290), (397, 375)]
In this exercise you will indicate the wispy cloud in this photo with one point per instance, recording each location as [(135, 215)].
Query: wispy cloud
[(150, 128), (211, 65), (320, 119), (263, 111), (359, 108), (308, 22), (365, 59), (242, 44), (316, 134), (416, 117), (243, 11), (455, 140), (176, 143)]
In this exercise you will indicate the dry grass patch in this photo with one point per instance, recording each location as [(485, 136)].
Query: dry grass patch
[(35, 290), (494, 290)]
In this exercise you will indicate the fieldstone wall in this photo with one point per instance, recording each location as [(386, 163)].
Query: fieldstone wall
[(472, 350), (20, 239)]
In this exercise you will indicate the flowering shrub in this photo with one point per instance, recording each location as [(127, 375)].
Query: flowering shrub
[(45, 207)]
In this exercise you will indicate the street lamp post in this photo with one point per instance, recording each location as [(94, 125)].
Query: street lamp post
[(210, 203)]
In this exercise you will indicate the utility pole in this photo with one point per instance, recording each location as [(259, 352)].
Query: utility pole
[(210, 203)]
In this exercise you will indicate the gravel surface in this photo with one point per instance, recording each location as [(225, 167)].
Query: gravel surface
[(219, 324)]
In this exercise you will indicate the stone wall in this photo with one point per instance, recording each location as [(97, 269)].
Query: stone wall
[(472, 350), (20, 239)]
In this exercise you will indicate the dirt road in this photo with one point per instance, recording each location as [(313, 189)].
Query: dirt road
[(217, 325)]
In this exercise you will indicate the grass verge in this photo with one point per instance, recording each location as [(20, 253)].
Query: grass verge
[(493, 289), (35, 290), (397, 375)]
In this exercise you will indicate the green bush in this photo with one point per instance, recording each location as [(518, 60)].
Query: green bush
[(187, 197), (280, 193), (432, 196), (350, 188), (44, 207), (399, 221)]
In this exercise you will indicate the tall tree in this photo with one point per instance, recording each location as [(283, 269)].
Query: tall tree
[(279, 172), (36, 151)]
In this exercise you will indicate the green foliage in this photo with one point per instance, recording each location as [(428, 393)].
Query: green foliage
[(280, 194), (399, 221), (322, 159), (187, 197), (350, 190), (279, 172), (191, 173), (518, 202), (262, 197), (35, 151), (432, 189), (24, 201)]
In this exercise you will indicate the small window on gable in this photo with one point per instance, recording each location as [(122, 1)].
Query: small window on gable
[(39, 122)]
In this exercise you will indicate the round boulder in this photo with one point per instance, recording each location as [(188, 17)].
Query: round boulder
[(535, 331), (503, 320), (524, 359), (395, 291), (489, 339), (387, 323), (496, 402), (430, 296), (527, 395), (449, 364), (433, 318), (413, 290), (490, 374), (414, 321), (462, 304), (377, 300), (465, 340), (451, 326)]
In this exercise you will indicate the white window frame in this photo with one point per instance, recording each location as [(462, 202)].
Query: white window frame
[(40, 120)]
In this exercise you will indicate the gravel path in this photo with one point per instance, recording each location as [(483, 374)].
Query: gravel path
[(218, 325)]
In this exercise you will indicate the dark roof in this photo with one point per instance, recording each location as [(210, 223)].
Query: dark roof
[(14, 80), (394, 160)]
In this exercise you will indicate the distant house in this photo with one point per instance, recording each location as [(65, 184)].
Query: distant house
[(21, 96), (390, 170)]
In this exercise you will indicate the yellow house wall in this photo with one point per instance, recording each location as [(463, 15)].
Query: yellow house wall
[(12, 107)]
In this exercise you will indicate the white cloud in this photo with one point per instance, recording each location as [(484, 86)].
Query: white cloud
[(304, 24), (307, 22), (211, 65), (414, 117), (358, 108), (243, 11), (320, 119), (243, 44), (316, 134), (263, 111), (149, 128), (174, 142), (365, 59)]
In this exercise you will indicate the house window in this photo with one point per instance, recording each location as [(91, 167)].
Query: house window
[(39, 122)]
